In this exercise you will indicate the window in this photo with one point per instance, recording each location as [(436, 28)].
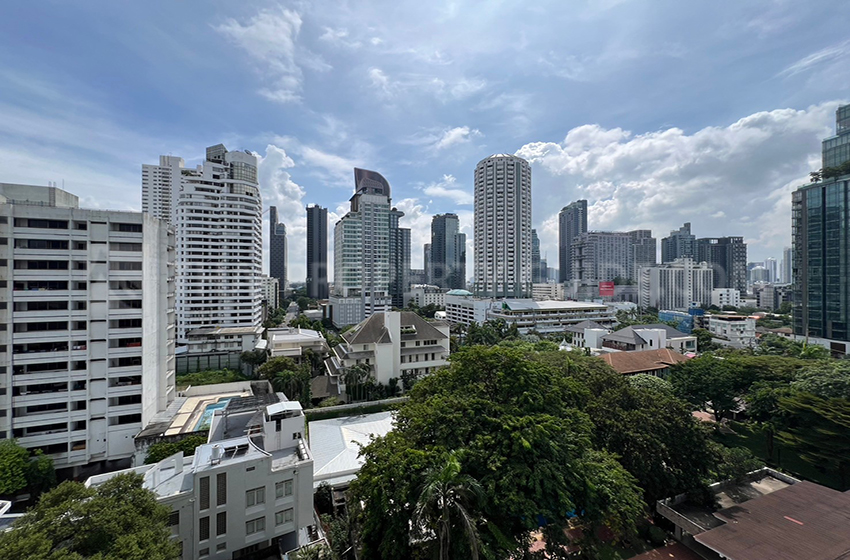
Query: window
[(221, 546), (174, 519), (205, 493), (283, 489), (255, 496), (204, 530), (282, 517), (221, 489), (221, 524), (203, 553), (255, 525)]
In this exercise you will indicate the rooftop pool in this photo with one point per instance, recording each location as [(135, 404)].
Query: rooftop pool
[(206, 418)]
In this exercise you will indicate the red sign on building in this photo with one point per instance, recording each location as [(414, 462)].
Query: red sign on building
[(606, 289)]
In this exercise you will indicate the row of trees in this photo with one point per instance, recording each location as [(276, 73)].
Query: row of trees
[(518, 436), (830, 172)]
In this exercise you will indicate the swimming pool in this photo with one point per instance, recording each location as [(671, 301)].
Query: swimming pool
[(206, 418)]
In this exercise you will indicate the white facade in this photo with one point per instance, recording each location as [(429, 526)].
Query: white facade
[(547, 317), (503, 227), (725, 296), (271, 292), (217, 339), (676, 285), (243, 491), (292, 342), (463, 308), (394, 344), (739, 330), (88, 325), (217, 213), (547, 292), (426, 294)]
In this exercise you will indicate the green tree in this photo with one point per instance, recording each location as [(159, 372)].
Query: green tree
[(709, 383), (118, 520), (444, 505), (516, 420), (827, 380), (705, 342), (159, 451), (254, 358), (819, 430), (41, 475), (732, 463), (289, 378), (14, 464)]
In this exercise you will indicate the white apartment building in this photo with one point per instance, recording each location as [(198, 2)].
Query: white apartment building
[(225, 340), (547, 292), (362, 256), (393, 344), (426, 294), (677, 285), (464, 309), (725, 296), (738, 330), (86, 325), (216, 209), (248, 490), (503, 227), (547, 317), (271, 292)]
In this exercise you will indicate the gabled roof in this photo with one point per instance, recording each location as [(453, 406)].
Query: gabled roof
[(644, 360), (374, 331), (370, 331), (579, 327), (424, 329), (629, 336)]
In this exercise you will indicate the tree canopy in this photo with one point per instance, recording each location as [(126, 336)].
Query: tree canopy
[(551, 437), (118, 520), (19, 470)]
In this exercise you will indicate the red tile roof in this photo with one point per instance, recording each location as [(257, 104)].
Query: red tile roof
[(644, 360)]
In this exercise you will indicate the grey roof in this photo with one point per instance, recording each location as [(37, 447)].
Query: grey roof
[(374, 331), (629, 336), (579, 327)]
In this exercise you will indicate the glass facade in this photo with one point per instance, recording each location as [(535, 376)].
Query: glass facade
[(836, 150)]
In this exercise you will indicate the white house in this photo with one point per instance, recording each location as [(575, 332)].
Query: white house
[(739, 330), (249, 489)]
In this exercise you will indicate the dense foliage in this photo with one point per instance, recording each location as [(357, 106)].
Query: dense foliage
[(210, 377), (289, 378), (118, 520), (159, 451), (549, 438), (19, 470)]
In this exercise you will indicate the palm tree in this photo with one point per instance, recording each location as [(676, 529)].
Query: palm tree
[(444, 506)]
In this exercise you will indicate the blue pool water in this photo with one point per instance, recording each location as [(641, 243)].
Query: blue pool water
[(206, 418)]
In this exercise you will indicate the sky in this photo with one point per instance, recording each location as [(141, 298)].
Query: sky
[(657, 112)]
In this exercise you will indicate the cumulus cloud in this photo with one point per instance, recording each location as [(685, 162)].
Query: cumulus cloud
[(728, 180), (279, 190), (456, 135), (448, 188), (270, 39)]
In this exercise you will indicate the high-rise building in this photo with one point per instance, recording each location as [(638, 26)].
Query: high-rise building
[(819, 218), (572, 222), (503, 227), (427, 261), (317, 252), (277, 251), (728, 257), (447, 252), (216, 210), (680, 244), (88, 299), (367, 254), (770, 265), (536, 276), (399, 259), (677, 285), (643, 251), (786, 266), (836, 149)]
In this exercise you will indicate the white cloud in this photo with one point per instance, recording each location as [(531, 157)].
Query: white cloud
[(270, 39), (280, 191), (454, 136), (828, 54), (418, 219), (339, 37), (448, 188), (381, 81), (732, 180)]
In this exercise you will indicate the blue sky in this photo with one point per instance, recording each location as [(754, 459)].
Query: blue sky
[(657, 112)]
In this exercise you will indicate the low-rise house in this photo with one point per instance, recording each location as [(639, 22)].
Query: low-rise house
[(650, 337), (587, 334), (739, 331), (652, 362), (292, 342), (394, 344), (248, 490), (224, 340)]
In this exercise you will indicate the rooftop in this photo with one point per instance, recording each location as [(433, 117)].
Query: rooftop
[(631, 335), (335, 445), (549, 305), (458, 293), (220, 331), (644, 360), (579, 327)]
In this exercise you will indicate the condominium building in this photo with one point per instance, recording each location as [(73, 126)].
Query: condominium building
[(271, 293), (546, 317), (739, 331), (503, 227), (727, 256), (786, 266), (216, 210), (680, 244), (427, 294), (277, 252), (601, 256), (463, 308), (643, 251), (247, 492), (86, 325), (537, 276), (677, 285), (836, 149), (725, 296), (317, 252), (368, 253), (547, 292), (448, 252), (572, 222)]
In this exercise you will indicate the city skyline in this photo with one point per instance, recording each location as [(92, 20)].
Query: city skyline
[(423, 107)]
